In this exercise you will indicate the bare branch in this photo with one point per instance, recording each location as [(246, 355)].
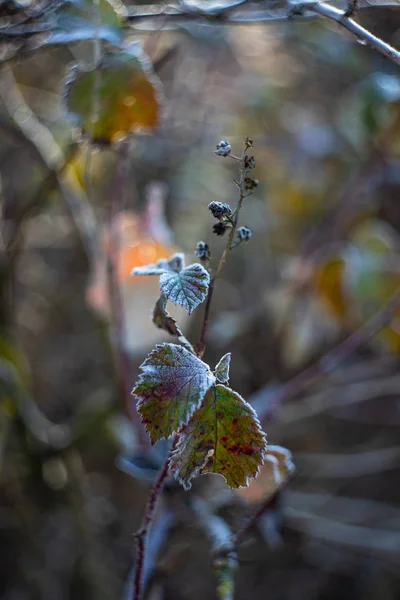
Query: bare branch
[(362, 34)]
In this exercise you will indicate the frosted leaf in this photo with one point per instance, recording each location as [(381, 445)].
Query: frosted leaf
[(224, 436), (172, 384), (222, 368), (163, 320), (188, 288), (174, 264)]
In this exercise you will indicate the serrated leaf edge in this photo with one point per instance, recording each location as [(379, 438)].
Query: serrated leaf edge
[(198, 300), (141, 377), (196, 471)]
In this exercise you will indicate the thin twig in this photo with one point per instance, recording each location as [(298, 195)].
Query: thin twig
[(333, 358), (228, 247), (365, 36), (123, 361), (143, 533)]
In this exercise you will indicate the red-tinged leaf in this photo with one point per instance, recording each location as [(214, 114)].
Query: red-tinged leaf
[(163, 320), (120, 96), (172, 384), (222, 368), (224, 436)]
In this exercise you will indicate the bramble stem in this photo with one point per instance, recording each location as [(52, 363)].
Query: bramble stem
[(228, 247), (143, 533)]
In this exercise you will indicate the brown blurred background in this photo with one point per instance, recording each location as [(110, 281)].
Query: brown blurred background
[(324, 114)]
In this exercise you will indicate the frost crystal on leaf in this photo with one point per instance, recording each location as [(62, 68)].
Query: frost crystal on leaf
[(172, 384), (163, 320), (188, 288), (185, 286), (224, 436), (222, 368), (174, 264)]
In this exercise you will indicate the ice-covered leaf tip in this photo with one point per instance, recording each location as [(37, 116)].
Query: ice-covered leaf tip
[(184, 286), (121, 95), (224, 436), (171, 386), (222, 368)]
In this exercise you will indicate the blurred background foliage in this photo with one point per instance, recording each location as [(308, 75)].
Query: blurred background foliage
[(324, 114)]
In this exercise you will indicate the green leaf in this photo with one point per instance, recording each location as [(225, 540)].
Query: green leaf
[(172, 384), (222, 368), (120, 96), (184, 286), (188, 288), (224, 436), (163, 320)]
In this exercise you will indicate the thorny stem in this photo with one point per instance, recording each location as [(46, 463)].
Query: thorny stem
[(142, 535), (228, 247)]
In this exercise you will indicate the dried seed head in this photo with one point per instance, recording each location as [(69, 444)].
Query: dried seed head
[(244, 233), (203, 251), (219, 228), (223, 148), (249, 162), (220, 210), (248, 142), (250, 183)]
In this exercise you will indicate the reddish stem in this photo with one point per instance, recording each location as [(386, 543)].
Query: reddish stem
[(142, 534)]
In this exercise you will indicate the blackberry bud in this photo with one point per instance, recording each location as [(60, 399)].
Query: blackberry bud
[(202, 251), (249, 162), (219, 228), (244, 233), (220, 210), (223, 148), (250, 183)]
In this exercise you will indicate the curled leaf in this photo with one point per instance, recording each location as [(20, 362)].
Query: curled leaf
[(163, 320), (222, 368), (174, 264), (224, 436), (118, 97), (172, 384)]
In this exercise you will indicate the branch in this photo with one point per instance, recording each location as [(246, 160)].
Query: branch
[(362, 34), (143, 533), (330, 360), (242, 195)]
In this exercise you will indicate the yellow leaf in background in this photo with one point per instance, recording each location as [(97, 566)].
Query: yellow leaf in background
[(277, 467), (120, 96), (328, 283)]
